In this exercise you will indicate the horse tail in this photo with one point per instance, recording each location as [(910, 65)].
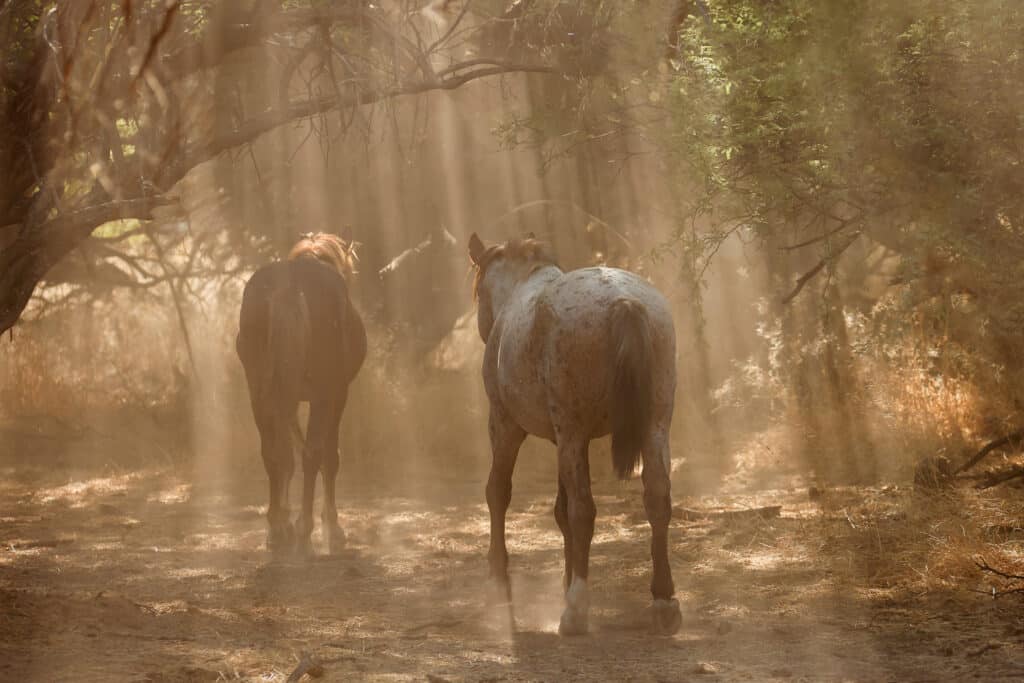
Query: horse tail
[(353, 334), (288, 338), (632, 362)]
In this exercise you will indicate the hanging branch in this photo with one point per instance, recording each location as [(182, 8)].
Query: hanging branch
[(819, 238), (51, 128), (809, 275)]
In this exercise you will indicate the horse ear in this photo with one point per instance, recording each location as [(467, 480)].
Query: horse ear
[(476, 248), (346, 234)]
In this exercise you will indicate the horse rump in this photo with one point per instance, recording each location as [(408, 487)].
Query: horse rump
[(274, 336), (632, 397), (288, 338)]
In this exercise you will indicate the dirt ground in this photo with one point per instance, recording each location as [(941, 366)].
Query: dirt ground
[(157, 574)]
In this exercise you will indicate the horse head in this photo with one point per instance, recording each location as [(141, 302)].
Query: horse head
[(421, 290), (500, 268)]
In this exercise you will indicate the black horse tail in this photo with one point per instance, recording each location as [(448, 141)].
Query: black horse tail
[(632, 362), (288, 340)]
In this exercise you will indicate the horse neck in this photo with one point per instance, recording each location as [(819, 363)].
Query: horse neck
[(519, 281)]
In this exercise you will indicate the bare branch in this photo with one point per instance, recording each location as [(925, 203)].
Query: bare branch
[(272, 119), (451, 29), (820, 238), (809, 275), (154, 43)]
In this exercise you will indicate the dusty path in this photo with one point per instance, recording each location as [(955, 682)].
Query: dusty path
[(143, 575)]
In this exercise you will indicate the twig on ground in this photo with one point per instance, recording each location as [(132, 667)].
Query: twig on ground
[(759, 513), (440, 623), (848, 519), (47, 543), (983, 649)]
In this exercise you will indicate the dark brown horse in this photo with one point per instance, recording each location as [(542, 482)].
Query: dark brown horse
[(571, 357), (300, 339)]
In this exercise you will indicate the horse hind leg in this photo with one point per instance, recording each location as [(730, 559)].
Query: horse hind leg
[(574, 472), (321, 436), (562, 518), (275, 446), (329, 469), (658, 504)]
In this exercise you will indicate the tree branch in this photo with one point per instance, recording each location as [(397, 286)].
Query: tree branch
[(986, 567), (36, 249), (1014, 438), (238, 36), (272, 119), (820, 238), (809, 275), (27, 259)]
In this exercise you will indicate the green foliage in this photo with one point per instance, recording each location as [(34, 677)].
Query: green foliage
[(805, 124), (889, 114)]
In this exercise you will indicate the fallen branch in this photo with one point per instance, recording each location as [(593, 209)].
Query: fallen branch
[(984, 566), (1015, 438), (751, 513), (1001, 477), (983, 649), (440, 623), (308, 664)]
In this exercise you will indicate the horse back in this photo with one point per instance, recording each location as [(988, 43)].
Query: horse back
[(298, 330), (551, 365)]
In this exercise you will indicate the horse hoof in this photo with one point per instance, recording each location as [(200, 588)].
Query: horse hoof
[(281, 541), (336, 543), (499, 592), (573, 622), (667, 617), (304, 549), (278, 550)]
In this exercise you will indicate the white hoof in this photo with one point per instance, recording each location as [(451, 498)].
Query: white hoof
[(573, 622), (499, 592), (577, 608)]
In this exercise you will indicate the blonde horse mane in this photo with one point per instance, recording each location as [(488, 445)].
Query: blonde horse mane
[(527, 249), (329, 249)]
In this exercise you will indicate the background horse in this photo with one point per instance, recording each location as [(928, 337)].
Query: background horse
[(300, 339), (423, 292), (571, 357)]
